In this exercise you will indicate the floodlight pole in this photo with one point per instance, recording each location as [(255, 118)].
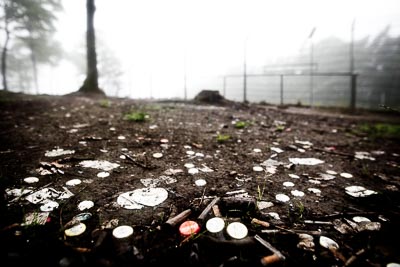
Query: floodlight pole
[(224, 86), (184, 77), (245, 72), (311, 66), (353, 80), (151, 85)]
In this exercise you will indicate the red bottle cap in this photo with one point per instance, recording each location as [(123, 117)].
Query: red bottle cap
[(189, 228)]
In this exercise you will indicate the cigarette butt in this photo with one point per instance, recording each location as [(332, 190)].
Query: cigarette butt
[(337, 254), (270, 259), (82, 250), (259, 222), (216, 211)]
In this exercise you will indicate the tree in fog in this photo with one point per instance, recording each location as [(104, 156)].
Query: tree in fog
[(109, 66), (19, 74), (382, 69), (376, 61), (91, 85), (110, 70), (39, 24), (32, 23)]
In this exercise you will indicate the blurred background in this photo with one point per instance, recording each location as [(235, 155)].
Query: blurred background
[(341, 53)]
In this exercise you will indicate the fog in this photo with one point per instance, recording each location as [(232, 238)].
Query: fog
[(162, 47)]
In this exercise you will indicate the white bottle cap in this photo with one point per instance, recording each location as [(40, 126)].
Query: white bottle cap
[(215, 225), (237, 230)]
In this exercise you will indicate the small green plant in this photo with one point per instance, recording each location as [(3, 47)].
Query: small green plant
[(105, 103), (260, 191), (300, 208), (223, 138), (36, 219), (154, 107), (137, 116), (296, 211), (240, 124), (380, 130)]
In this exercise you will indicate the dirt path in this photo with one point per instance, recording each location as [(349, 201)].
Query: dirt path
[(309, 175)]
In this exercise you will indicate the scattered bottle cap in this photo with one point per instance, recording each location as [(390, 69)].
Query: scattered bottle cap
[(200, 182), (83, 216), (75, 230), (31, 180), (122, 231), (215, 225), (188, 228), (157, 155), (73, 182), (237, 230), (86, 204)]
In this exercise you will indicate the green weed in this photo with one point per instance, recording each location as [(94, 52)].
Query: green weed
[(241, 124), (223, 138), (380, 130), (137, 116), (105, 103), (296, 211)]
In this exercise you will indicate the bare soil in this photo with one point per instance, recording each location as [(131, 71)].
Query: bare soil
[(97, 129)]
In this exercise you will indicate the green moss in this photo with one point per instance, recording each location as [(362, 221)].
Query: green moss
[(136, 116), (223, 138), (105, 103), (380, 130), (240, 124)]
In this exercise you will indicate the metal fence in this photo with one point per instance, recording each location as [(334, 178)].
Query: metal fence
[(291, 88)]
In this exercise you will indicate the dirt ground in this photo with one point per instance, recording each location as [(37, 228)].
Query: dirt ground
[(284, 174)]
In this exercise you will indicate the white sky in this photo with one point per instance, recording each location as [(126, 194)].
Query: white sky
[(154, 38)]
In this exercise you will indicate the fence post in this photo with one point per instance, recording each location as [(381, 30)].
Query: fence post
[(224, 86), (281, 89), (353, 93)]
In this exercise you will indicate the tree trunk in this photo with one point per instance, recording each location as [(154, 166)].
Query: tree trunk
[(4, 58), (90, 84), (35, 72), (34, 64)]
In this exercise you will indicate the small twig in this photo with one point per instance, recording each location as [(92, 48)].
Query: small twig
[(295, 231), (344, 214), (208, 208), (179, 218), (202, 196), (354, 257), (277, 255), (275, 231), (11, 226), (284, 229), (136, 162), (317, 222), (334, 152), (336, 253)]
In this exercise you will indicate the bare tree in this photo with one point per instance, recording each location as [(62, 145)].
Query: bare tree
[(91, 85)]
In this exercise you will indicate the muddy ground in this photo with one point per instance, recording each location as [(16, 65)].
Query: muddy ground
[(232, 158)]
